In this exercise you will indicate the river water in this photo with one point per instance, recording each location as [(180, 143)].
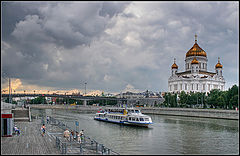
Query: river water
[(168, 134)]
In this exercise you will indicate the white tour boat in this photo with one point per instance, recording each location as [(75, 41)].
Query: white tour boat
[(129, 116)]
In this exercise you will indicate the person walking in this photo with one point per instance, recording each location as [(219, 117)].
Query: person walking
[(66, 134), (16, 130), (47, 119), (72, 135), (81, 136), (43, 128), (78, 137)]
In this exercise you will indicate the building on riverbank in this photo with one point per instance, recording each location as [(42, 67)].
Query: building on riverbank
[(196, 77), (6, 119)]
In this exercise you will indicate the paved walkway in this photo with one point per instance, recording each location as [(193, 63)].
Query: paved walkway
[(30, 140)]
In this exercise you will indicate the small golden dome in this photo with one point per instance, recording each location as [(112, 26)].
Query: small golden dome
[(174, 64), (219, 65), (194, 61), (196, 50)]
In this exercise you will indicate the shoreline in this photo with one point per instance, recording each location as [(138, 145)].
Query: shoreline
[(187, 112)]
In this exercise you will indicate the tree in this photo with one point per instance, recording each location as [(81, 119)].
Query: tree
[(183, 98), (212, 96), (220, 101), (234, 102), (38, 100), (232, 95)]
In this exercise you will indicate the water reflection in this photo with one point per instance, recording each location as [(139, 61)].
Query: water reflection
[(168, 134)]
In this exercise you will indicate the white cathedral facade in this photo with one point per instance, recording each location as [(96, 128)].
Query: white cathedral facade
[(196, 78)]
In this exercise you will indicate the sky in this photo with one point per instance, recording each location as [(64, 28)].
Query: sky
[(113, 46)]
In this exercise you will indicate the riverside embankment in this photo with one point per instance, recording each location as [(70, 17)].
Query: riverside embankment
[(189, 112)]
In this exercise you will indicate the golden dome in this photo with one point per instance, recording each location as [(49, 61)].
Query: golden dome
[(174, 64), (219, 65), (194, 61), (196, 50)]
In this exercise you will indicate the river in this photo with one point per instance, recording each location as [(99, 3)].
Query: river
[(168, 134)]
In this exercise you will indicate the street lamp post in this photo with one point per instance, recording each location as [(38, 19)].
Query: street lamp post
[(85, 88), (9, 91), (66, 97)]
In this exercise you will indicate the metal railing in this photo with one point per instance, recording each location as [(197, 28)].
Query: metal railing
[(62, 146), (72, 146)]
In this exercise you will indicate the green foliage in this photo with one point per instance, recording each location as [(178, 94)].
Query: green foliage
[(170, 100), (38, 100), (214, 99), (234, 101)]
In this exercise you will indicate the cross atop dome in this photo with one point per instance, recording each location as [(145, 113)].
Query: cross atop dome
[(219, 65), (195, 38)]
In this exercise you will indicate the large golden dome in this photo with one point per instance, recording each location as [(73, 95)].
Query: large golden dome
[(196, 50)]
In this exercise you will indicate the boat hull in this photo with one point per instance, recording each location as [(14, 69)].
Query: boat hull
[(124, 122)]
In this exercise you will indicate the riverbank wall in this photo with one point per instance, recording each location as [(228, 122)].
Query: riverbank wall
[(188, 112)]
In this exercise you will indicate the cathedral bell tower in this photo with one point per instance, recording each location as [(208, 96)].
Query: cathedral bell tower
[(174, 67), (218, 68)]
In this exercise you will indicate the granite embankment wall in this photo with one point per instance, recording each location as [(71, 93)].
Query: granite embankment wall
[(206, 113)]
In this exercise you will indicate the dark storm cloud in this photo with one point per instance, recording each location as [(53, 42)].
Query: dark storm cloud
[(112, 45), (31, 27), (112, 8)]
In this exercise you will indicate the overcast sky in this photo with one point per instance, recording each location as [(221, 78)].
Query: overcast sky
[(113, 46)]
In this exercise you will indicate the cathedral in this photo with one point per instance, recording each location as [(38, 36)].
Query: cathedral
[(196, 78)]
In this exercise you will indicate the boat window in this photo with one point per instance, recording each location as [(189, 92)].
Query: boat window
[(137, 119), (136, 111), (133, 119), (146, 119), (141, 119), (130, 118)]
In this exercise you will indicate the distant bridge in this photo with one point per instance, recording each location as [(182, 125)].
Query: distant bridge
[(80, 97), (148, 101)]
